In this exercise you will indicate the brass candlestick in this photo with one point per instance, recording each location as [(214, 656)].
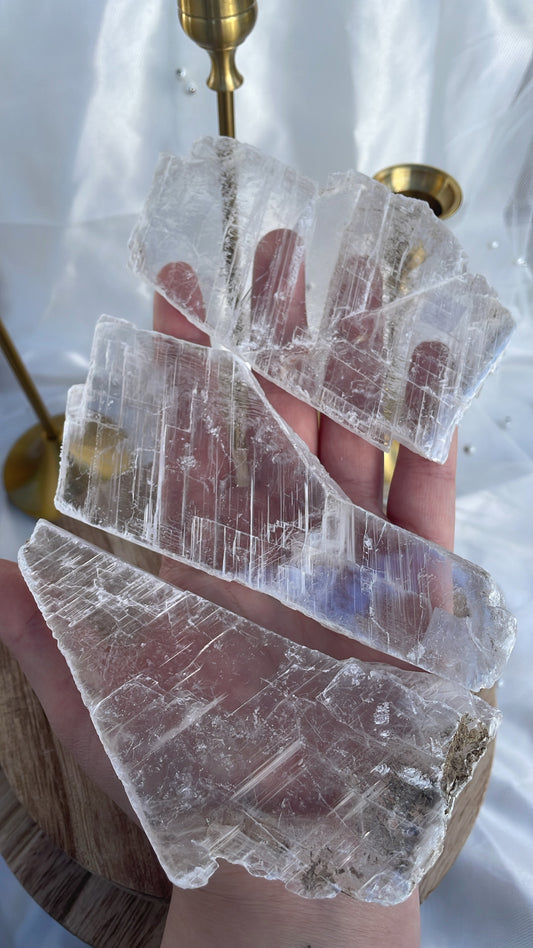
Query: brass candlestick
[(219, 26), (32, 466), (444, 196), (437, 188)]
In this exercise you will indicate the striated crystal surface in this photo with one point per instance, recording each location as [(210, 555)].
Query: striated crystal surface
[(175, 447), (234, 743), (397, 336)]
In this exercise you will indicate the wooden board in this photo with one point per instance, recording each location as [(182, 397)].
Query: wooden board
[(100, 913)]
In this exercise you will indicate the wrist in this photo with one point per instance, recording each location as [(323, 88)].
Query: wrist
[(236, 909)]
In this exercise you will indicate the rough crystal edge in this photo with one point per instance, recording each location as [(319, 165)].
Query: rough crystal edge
[(489, 605), (375, 422), (312, 875)]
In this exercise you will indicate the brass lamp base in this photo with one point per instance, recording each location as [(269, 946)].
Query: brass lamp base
[(436, 187), (32, 468)]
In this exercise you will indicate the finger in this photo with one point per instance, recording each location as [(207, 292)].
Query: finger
[(180, 281), (422, 496), (25, 633), (426, 382), (276, 257), (354, 464), (278, 287), (353, 371), (278, 305)]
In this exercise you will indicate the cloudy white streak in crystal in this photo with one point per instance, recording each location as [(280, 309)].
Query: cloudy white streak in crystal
[(399, 335), (234, 743), (175, 447)]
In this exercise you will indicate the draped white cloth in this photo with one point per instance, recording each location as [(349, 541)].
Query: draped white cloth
[(90, 96)]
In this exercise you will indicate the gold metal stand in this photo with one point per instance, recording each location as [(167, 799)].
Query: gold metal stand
[(444, 196), (436, 187), (219, 26), (32, 466)]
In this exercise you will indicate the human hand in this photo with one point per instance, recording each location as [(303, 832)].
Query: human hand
[(422, 498)]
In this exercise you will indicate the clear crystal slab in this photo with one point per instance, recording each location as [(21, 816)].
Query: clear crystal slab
[(398, 336), (234, 743), (175, 447)]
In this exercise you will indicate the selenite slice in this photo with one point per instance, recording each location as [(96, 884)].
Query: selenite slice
[(397, 336), (234, 743), (175, 447)]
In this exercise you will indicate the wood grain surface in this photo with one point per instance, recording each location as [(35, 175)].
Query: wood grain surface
[(102, 914), (78, 854)]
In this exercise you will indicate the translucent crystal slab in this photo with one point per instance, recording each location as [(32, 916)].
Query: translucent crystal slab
[(398, 336), (175, 447), (234, 743)]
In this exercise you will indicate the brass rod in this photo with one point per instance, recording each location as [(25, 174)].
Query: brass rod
[(26, 383), (226, 114), (219, 26), (230, 240)]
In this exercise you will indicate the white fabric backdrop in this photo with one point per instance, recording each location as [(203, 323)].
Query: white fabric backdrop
[(90, 97)]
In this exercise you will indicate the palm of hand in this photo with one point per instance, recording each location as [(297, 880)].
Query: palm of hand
[(421, 498)]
